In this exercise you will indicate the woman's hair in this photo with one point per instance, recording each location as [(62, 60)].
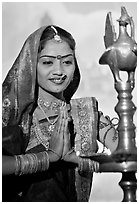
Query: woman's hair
[(49, 34)]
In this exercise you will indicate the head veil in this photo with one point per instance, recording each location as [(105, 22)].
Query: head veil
[(19, 95)]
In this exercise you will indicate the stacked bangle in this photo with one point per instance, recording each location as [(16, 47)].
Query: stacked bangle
[(87, 165), (31, 163)]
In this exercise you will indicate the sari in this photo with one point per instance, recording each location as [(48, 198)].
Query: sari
[(63, 181)]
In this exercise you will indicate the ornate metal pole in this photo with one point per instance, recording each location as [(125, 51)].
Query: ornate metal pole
[(121, 55)]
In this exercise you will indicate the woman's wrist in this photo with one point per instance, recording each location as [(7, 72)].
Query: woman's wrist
[(31, 163), (86, 165)]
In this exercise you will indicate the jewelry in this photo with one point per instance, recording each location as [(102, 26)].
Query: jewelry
[(56, 37), (83, 165), (17, 165), (40, 135), (31, 163), (87, 165), (51, 123), (93, 166), (55, 105)]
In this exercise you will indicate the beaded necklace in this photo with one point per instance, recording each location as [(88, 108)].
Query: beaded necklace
[(55, 106)]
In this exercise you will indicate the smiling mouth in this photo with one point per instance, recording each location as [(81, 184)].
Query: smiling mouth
[(58, 80)]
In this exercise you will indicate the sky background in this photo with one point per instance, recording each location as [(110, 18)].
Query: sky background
[(86, 22)]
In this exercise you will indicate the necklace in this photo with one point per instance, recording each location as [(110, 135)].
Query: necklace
[(39, 134), (47, 106), (51, 106)]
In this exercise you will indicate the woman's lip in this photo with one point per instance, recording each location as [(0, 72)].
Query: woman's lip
[(57, 80)]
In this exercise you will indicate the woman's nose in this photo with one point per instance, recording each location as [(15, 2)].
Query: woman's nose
[(58, 68)]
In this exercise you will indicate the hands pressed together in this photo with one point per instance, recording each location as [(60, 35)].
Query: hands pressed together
[(59, 144), (59, 149)]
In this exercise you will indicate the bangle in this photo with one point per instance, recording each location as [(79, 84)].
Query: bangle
[(87, 166), (83, 166), (31, 163), (17, 164), (94, 166)]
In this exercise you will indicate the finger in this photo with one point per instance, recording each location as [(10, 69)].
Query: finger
[(66, 136), (66, 131), (60, 119), (64, 111), (62, 126), (66, 120), (63, 121)]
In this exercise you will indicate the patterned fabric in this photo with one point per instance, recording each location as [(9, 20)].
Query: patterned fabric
[(85, 117), (84, 112), (19, 101), (18, 90)]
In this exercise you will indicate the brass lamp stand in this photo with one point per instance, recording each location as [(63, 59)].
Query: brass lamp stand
[(121, 55)]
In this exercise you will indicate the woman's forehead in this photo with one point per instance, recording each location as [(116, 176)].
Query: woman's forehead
[(56, 48)]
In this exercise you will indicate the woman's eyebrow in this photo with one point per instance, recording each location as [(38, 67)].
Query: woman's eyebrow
[(66, 55), (58, 56)]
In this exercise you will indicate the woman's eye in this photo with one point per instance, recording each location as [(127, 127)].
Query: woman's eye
[(47, 62), (67, 62)]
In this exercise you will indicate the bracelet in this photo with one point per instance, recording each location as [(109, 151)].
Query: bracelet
[(87, 165), (18, 164), (94, 166), (31, 163)]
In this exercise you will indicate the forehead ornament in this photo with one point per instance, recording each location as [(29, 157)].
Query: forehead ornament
[(59, 57), (57, 38)]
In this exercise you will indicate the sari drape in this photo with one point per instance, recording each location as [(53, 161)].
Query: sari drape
[(19, 101)]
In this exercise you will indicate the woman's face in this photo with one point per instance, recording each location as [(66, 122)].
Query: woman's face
[(55, 67)]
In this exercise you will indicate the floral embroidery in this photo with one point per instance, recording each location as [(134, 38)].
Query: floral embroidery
[(85, 118), (6, 108), (6, 102)]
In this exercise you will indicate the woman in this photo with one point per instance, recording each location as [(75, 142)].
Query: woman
[(46, 134)]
